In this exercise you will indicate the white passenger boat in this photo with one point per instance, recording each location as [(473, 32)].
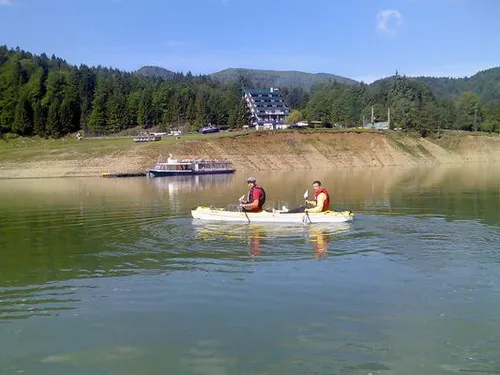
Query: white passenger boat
[(275, 216), (187, 167)]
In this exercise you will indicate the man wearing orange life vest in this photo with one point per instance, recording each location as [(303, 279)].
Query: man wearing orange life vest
[(321, 200)]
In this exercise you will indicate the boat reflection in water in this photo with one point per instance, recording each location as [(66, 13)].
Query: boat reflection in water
[(174, 184), (288, 238)]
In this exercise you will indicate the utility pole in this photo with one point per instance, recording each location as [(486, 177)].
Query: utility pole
[(475, 120)]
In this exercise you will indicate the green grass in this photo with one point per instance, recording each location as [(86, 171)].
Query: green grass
[(29, 149), (26, 149), (69, 148)]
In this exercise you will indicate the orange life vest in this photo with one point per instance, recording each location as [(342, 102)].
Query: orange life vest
[(326, 203)]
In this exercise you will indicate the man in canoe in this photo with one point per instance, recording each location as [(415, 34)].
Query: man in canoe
[(321, 202), (255, 199)]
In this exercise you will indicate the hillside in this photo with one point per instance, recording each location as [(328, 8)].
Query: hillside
[(275, 78), (249, 151), (485, 83), (258, 78), (155, 71)]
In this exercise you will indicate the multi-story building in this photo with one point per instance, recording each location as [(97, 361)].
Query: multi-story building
[(266, 106)]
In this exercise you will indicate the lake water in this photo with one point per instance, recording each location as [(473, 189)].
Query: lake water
[(112, 276)]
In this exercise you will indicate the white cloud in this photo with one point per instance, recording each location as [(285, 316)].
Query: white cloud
[(388, 21), (5, 2)]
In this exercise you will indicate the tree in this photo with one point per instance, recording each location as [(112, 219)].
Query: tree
[(468, 111), (23, 122), (53, 127), (144, 110), (98, 119), (38, 119), (10, 76), (294, 117), (491, 112), (240, 115)]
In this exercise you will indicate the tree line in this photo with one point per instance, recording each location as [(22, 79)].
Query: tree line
[(409, 102), (50, 98)]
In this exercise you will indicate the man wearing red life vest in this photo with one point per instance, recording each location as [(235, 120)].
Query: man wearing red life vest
[(321, 200), (255, 198)]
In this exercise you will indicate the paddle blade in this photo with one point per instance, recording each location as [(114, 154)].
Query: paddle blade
[(306, 194)]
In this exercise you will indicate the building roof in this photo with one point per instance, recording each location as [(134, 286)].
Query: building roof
[(263, 92)]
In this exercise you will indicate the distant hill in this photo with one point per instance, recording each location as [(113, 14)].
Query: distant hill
[(258, 78), (155, 71), (485, 83), (277, 78)]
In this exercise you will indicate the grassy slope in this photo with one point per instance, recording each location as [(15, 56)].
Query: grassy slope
[(273, 150)]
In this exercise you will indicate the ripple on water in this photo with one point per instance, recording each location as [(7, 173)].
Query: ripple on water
[(45, 300)]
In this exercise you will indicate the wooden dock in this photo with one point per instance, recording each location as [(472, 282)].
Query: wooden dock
[(120, 175)]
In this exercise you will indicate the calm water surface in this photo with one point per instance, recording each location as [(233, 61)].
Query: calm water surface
[(112, 276)]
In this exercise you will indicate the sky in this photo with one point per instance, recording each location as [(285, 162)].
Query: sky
[(360, 39)]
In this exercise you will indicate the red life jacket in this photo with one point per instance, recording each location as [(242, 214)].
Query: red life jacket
[(326, 203), (262, 199)]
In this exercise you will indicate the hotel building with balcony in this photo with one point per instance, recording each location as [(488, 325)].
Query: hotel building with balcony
[(266, 106)]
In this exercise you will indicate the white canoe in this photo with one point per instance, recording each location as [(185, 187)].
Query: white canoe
[(276, 216)]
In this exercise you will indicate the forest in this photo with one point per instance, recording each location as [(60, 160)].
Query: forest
[(49, 97)]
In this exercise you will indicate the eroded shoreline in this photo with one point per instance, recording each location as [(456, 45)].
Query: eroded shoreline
[(273, 151)]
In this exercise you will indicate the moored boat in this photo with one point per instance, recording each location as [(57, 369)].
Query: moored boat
[(275, 216), (147, 137), (186, 167)]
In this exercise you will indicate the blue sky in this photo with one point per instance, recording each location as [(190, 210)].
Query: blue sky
[(359, 39)]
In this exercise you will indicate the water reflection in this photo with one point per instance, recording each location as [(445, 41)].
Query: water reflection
[(257, 233), (321, 236), (90, 258), (274, 240), (177, 184)]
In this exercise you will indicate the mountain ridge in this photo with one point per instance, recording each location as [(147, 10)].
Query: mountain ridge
[(258, 77), (486, 83)]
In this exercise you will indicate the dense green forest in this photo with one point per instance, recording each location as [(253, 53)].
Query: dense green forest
[(485, 83), (49, 97), (412, 104), (271, 78)]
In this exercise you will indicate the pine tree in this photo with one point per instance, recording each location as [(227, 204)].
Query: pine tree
[(23, 122), (38, 119), (53, 124)]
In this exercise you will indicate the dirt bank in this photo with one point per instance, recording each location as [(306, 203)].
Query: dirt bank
[(272, 151)]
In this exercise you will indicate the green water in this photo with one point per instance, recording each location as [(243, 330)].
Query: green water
[(112, 276)]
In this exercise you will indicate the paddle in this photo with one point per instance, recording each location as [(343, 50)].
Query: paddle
[(241, 209), (306, 195)]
